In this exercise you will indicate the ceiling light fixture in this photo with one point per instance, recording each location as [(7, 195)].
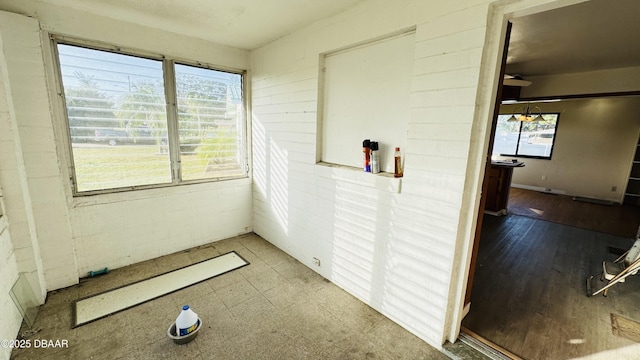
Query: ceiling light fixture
[(525, 114)]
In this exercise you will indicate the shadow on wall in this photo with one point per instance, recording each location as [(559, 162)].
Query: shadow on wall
[(378, 255), (270, 174), (370, 239)]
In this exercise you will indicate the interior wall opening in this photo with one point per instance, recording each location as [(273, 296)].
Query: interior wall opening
[(528, 286)]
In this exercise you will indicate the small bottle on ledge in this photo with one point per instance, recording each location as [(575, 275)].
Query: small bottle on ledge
[(397, 159), (366, 150), (375, 158)]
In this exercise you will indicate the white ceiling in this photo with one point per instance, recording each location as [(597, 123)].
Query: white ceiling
[(595, 35), (245, 24)]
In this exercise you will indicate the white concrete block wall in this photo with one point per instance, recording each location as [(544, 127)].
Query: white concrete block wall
[(112, 230), (158, 222), (12, 171), (10, 318), (43, 195), (598, 152), (395, 251)]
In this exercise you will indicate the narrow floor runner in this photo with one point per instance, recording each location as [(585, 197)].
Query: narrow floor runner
[(112, 301)]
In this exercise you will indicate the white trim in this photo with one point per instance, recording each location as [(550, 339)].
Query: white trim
[(540, 189), (496, 213), (356, 46), (173, 129), (466, 309)]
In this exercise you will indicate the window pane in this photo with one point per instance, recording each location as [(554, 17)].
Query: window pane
[(210, 118), (537, 137), (117, 118), (506, 138), (526, 139)]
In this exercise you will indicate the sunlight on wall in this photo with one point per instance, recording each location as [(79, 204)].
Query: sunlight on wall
[(381, 252), (270, 173), (259, 157), (354, 238), (414, 267), (279, 180)]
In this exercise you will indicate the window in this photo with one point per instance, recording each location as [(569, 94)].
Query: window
[(126, 132), (525, 139)]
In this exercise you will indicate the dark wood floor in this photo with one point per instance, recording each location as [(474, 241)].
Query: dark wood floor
[(621, 220), (529, 292)]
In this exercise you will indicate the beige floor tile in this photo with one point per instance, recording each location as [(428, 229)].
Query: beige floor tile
[(284, 294), (225, 280), (254, 311), (172, 262), (236, 293), (274, 308), (190, 293), (203, 253), (225, 246), (265, 279)]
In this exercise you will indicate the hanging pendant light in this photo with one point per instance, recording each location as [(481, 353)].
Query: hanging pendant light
[(526, 115)]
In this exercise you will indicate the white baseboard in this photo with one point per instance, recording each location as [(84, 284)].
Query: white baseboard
[(559, 192), (496, 213), (540, 189)]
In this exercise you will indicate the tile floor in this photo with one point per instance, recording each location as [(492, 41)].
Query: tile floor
[(275, 308)]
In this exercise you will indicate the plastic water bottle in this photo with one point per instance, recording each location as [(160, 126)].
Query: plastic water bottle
[(186, 322)]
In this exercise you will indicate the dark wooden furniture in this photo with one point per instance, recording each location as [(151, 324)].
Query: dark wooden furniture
[(499, 177)]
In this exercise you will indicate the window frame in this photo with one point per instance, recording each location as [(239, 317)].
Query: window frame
[(553, 143), (171, 103), (341, 126)]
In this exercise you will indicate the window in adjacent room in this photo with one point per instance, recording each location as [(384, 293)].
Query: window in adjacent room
[(533, 139), (125, 131)]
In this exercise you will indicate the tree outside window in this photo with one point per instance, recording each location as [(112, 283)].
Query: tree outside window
[(120, 120)]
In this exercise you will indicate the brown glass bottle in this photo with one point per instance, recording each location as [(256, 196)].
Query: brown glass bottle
[(397, 159)]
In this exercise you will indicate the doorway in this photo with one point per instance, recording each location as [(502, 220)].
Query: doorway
[(530, 274)]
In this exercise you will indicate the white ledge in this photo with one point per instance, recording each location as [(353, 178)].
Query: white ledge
[(382, 181)]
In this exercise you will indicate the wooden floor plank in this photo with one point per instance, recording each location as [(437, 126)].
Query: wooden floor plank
[(620, 220), (529, 294)]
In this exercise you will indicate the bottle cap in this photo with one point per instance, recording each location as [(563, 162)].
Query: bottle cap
[(374, 145), (397, 149), (186, 307), (366, 143)]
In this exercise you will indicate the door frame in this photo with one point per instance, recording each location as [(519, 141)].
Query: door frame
[(487, 164), (499, 15)]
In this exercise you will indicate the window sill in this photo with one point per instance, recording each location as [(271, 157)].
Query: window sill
[(150, 192), (382, 181)]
